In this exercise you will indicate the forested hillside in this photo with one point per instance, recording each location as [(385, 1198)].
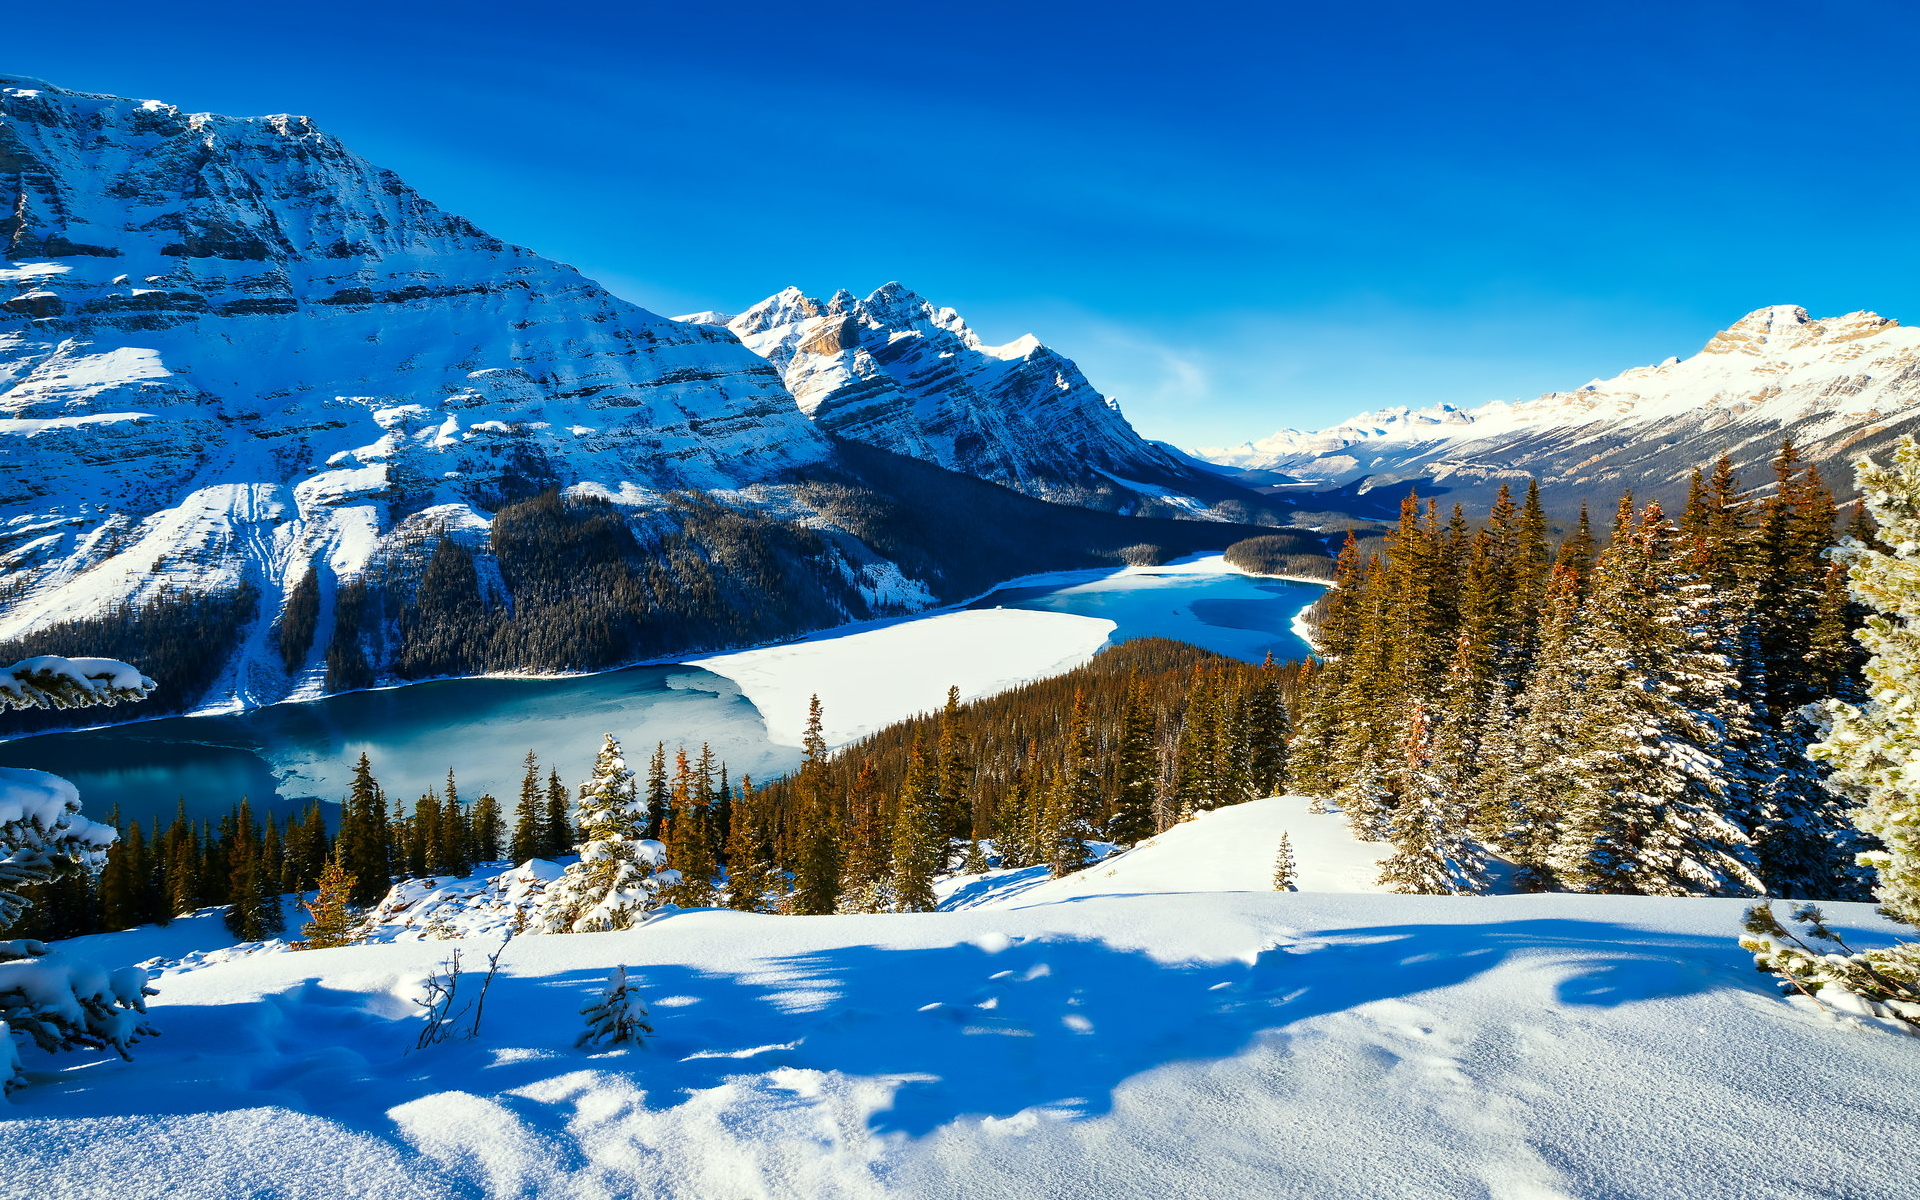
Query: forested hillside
[(1619, 718)]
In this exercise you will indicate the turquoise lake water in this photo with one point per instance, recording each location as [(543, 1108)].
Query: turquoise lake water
[(283, 754)]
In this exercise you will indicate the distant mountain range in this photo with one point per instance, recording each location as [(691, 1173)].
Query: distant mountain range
[(249, 383), (1842, 386)]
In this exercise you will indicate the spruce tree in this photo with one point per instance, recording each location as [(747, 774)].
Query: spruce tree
[(869, 843), (617, 878), (689, 850), (1659, 786), (1135, 774), (331, 912), (816, 885), (530, 815), (955, 782), (488, 830), (917, 847), (365, 836), (1285, 874), (120, 878), (750, 869), (1074, 796), (659, 798), (1431, 852), (556, 826)]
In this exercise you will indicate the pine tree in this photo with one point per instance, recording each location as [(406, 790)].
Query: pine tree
[(1285, 876), (917, 848), (121, 877), (556, 826), (308, 849), (869, 846), (1659, 786), (1268, 730), (1135, 775), (1431, 853), (530, 815), (1073, 797), (689, 850), (618, 876), (1871, 748), (331, 910), (488, 829), (617, 1018), (955, 782), (816, 889), (750, 869), (366, 843), (659, 799)]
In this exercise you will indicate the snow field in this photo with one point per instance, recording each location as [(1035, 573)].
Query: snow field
[(1226, 850), (1190, 1033), (861, 682)]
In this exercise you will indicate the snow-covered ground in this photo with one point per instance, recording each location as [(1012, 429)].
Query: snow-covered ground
[(1170, 1031), (861, 676), (1226, 850)]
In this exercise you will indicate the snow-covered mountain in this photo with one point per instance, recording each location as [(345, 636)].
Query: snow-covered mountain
[(895, 371), (230, 346), (1841, 385)]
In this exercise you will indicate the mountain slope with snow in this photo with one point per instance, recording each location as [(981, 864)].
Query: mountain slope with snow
[(1183, 1033), (895, 371), (1841, 386), (230, 348)]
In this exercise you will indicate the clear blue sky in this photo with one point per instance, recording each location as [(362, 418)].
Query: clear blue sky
[(1235, 216)]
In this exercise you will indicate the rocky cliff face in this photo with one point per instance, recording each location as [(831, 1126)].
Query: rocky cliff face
[(1842, 386), (230, 348), (895, 371)]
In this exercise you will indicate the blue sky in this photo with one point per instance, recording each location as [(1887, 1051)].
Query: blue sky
[(1235, 216)]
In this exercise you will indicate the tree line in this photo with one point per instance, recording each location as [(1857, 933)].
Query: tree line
[(1627, 718)]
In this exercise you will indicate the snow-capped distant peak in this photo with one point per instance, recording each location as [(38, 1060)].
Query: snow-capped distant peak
[(1774, 369), (705, 317)]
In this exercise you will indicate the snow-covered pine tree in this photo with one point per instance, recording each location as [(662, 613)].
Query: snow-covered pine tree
[(1285, 875), (1871, 748), (1432, 853), (1657, 785), (618, 1017), (56, 1000), (619, 875), (869, 846)]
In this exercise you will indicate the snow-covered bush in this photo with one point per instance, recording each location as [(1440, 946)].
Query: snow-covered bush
[(478, 905), (59, 1001), (63, 1002), (1874, 750), (619, 875), (617, 1017)]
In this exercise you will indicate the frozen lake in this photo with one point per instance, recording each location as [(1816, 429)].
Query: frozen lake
[(285, 753)]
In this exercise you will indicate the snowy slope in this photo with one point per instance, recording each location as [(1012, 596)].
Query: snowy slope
[(232, 351), (1841, 385), (895, 371), (1193, 1045), (859, 677)]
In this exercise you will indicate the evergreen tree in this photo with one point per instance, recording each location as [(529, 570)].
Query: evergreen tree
[(869, 844), (331, 911), (120, 879), (659, 799), (689, 850), (487, 835), (556, 827), (750, 869), (1431, 852), (1135, 775), (955, 783), (365, 844), (253, 900), (1268, 730), (618, 876), (816, 885), (530, 815), (1658, 784), (617, 1018), (1074, 796), (1285, 875), (917, 847)]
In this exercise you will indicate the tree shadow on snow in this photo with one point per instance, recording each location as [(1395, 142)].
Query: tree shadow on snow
[(965, 1030)]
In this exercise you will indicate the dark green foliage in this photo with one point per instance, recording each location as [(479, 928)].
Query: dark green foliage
[(180, 640), (355, 621), (300, 619), (365, 844), (1279, 554)]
